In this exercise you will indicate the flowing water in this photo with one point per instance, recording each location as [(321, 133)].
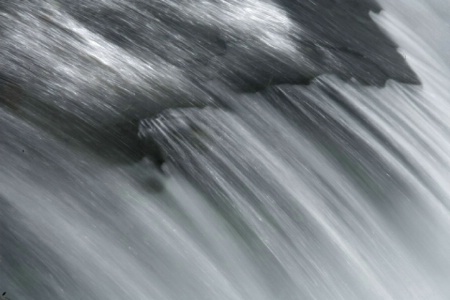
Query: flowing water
[(331, 190)]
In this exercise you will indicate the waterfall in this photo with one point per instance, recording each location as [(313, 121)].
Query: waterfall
[(266, 176)]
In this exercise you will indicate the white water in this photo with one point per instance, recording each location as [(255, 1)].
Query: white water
[(343, 199)]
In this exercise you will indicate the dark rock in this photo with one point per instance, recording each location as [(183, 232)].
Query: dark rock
[(329, 37)]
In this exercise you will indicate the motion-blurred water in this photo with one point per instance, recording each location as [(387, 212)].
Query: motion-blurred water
[(332, 190)]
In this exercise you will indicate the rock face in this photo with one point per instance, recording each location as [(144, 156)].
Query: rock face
[(90, 70), (347, 42), (252, 44)]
